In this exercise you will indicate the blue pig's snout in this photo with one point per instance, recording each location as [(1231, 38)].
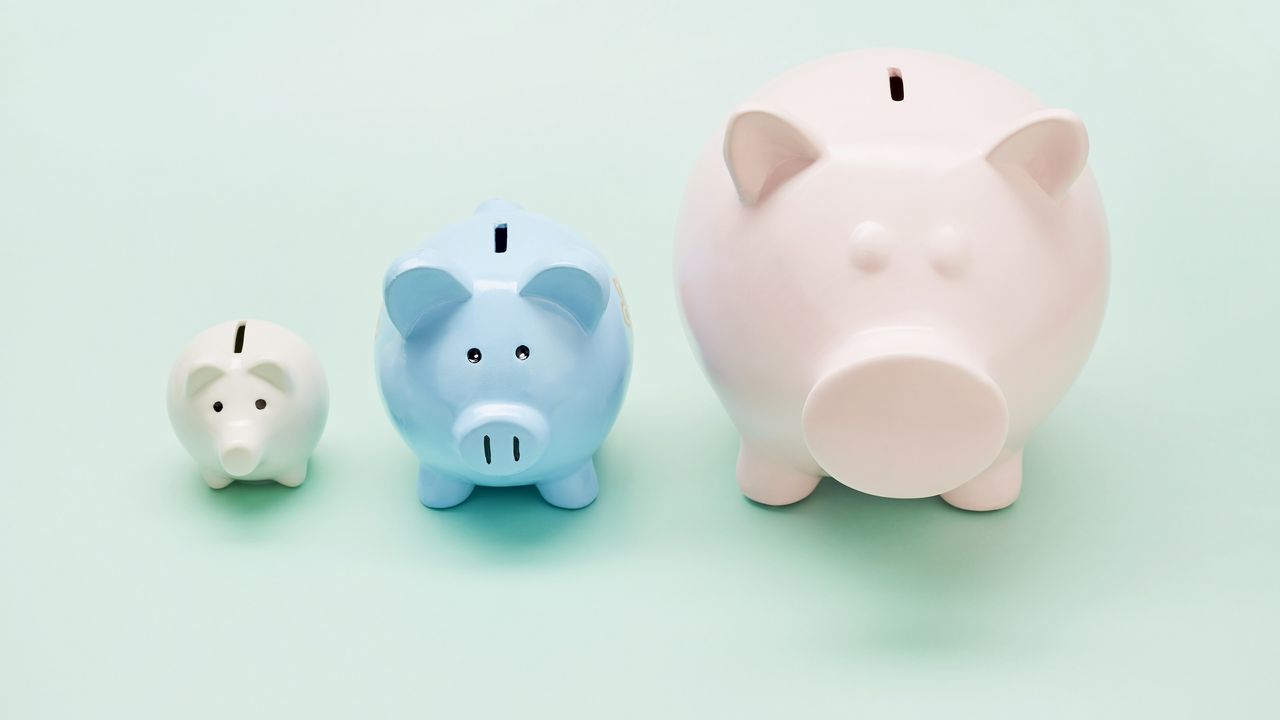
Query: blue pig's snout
[(500, 439)]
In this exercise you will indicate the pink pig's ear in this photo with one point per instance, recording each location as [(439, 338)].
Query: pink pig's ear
[(763, 151), (1051, 147), (274, 373)]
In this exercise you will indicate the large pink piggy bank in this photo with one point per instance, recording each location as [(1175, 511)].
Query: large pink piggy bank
[(892, 264)]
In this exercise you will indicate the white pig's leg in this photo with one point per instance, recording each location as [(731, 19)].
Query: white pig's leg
[(573, 491), (294, 477), (770, 482), (439, 492), (997, 487), (216, 481)]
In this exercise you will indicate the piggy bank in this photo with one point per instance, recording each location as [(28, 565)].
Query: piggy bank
[(248, 399), (503, 355), (892, 265)]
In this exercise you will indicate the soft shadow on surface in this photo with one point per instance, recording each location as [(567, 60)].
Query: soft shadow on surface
[(920, 579), (516, 520), (248, 499)]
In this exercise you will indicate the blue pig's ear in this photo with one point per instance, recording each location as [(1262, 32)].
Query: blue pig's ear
[(581, 288), (413, 289)]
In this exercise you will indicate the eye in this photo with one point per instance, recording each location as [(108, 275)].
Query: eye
[(473, 355), (522, 352), (261, 404), (217, 406)]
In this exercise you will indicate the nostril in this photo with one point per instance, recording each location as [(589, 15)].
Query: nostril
[(488, 452), (515, 448)]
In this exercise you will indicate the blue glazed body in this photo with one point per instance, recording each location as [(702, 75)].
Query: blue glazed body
[(503, 354)]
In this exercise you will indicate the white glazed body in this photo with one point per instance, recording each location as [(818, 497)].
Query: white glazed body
[(242, 442), (906, 253)]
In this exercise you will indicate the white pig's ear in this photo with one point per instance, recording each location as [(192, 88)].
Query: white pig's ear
[(580, 286), (200, 377), (763, 151), (1050, 146), (274, 373), (413, 289)]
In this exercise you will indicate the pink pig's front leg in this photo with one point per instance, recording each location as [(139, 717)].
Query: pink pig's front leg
[(995, 488), (770, 481)]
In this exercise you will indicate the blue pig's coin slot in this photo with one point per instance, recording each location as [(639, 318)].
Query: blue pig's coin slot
[(500, 238)]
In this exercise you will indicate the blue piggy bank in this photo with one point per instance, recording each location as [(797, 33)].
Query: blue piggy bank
[(503, 355)]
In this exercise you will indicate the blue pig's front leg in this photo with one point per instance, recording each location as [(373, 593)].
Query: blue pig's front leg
[(575, 490), (438, 492)]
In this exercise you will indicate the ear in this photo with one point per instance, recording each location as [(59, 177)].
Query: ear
[(414, 288), (274, 373), (1051, 147), (200, 377), (581, 288), (763, 151)]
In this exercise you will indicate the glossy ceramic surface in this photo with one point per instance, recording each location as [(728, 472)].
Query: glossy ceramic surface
[(503, 356), (892, 265), (248, 399)]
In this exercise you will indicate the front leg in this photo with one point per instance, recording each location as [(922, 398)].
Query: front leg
[(770, 482), (573, 491), (217, 481), (438, 492), (996, 487), (294, 477)]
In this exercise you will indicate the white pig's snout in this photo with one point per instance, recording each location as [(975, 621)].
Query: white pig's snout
[(905, 416), (239, 456)]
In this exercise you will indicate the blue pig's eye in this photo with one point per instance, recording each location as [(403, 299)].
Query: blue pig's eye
[(217, 406), (522, 352), (473, 355)]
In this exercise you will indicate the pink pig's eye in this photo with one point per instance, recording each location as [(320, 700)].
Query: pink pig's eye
[(217, 406)]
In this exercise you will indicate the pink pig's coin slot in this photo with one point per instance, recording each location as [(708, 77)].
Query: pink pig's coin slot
[(896, 89)]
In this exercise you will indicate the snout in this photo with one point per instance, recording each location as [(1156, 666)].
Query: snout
[(906, 417), (500, 439), (239, 457)]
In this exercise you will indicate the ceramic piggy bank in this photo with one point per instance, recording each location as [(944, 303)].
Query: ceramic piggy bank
[(503, 356), (892, 265), (248, 400)]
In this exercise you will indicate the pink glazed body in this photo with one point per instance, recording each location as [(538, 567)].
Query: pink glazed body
[(892, 265)]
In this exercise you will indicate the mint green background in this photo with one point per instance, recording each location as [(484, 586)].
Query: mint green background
[(166, 166)]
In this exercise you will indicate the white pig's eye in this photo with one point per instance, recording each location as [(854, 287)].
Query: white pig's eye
[(522, 352), (473, 355), (260, 404), (217, 406)]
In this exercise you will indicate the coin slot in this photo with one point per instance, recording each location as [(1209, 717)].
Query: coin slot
[(896, 89), (500, 238), (240, 339)]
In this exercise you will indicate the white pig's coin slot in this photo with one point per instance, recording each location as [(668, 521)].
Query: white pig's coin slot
[(500, 238), (896, 89), (240, 338)]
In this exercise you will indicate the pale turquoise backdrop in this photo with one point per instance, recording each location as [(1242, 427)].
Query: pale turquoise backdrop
[(164, 166)]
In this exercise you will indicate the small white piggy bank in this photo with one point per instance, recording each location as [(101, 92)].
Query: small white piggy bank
[(248, 399), (892, 264)]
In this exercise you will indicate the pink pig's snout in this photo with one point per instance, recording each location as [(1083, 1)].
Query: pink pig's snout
[(500, 439), (239, 455), (906, 416)]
